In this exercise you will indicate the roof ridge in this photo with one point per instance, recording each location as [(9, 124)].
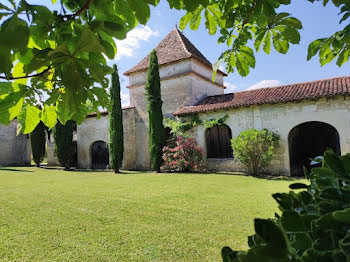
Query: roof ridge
[(308, 90), (293, 84), (182, 42)]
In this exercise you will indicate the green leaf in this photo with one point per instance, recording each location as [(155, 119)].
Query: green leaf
[(196, 19), (14, 34), (185, 20), (18, 72), (88, 42), (28, 119), (343, 57), (141, 10), (210, 23), (271, 233), (290, 34), (267, 42), (292, 222), (10, 104), (314, 47), (123, 9), (6, 63), (342, 216), (49, 116), (66, 107), (292, 22), (280, 44), (258, 40), (334, 162)]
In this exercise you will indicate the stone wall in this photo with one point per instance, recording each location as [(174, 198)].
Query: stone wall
[(15, 150), (280, 118), (93, 129)]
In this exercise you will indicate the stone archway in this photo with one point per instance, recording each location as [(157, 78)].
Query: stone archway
[(309, 140), (99, 155), (218, 142)]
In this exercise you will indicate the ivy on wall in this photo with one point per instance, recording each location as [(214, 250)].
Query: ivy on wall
[(181, 126), (215, 121)]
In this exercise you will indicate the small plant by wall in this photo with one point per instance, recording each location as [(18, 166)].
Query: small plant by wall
[(182, 154), (255, 148)]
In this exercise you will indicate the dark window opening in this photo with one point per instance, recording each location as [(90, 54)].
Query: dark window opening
[(99, 155), (167, 133), (218, 142), (309, 140)]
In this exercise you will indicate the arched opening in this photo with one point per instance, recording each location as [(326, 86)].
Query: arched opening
[(218, 142), (99, 155), (309, 140)]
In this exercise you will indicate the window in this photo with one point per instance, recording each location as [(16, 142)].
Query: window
[(218, 142)]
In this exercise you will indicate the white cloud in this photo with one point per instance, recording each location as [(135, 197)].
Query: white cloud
[(125, 97), (264, 83), (133, 41), (229, 87)]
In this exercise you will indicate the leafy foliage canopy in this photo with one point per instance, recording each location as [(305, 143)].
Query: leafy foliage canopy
[(53, 57), (315, 220)]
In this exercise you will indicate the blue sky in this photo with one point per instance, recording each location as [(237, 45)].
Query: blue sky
[(270, 70)]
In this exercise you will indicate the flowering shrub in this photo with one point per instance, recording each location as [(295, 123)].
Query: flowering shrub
[(182, 154)]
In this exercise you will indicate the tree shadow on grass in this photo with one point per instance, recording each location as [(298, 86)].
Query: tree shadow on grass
[(14, 170)]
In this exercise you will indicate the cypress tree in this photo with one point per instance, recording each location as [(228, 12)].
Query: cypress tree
[(38, 143), (116, 124), (155, 114), (63, 135)]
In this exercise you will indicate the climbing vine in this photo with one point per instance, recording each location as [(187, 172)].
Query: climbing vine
[(215, 121), (181, 126)]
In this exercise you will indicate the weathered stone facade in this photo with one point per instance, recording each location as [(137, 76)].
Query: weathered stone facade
[(188, 79), (93, 130), (280, 118), (186, 85), (15, 150)]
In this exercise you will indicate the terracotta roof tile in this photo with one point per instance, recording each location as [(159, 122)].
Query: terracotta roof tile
[(174, 47), (281, 94)]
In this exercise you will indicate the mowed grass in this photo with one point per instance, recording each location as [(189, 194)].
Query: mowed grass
[(53, 215)]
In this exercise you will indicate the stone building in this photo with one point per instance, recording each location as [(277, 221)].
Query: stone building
[(14, 150), (309, 117)]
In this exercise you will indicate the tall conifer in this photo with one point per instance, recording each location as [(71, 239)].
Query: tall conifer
[(155, 114), (38, 143), (63, 135), (116, 124)]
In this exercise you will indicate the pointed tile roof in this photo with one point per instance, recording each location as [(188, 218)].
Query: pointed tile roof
[(282, 94), (174, 47)]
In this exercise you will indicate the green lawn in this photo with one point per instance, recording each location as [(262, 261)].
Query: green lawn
[(53, 215)]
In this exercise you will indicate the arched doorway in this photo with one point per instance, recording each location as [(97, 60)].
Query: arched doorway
[(99, 155), (218, 142), (310, 140)]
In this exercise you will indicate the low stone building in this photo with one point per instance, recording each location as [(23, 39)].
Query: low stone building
[(309, 117), (14, 150)]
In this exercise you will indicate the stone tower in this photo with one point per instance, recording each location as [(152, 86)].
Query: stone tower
[(186, 78)]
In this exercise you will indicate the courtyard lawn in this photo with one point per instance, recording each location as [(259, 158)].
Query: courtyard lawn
[(53, 215)]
